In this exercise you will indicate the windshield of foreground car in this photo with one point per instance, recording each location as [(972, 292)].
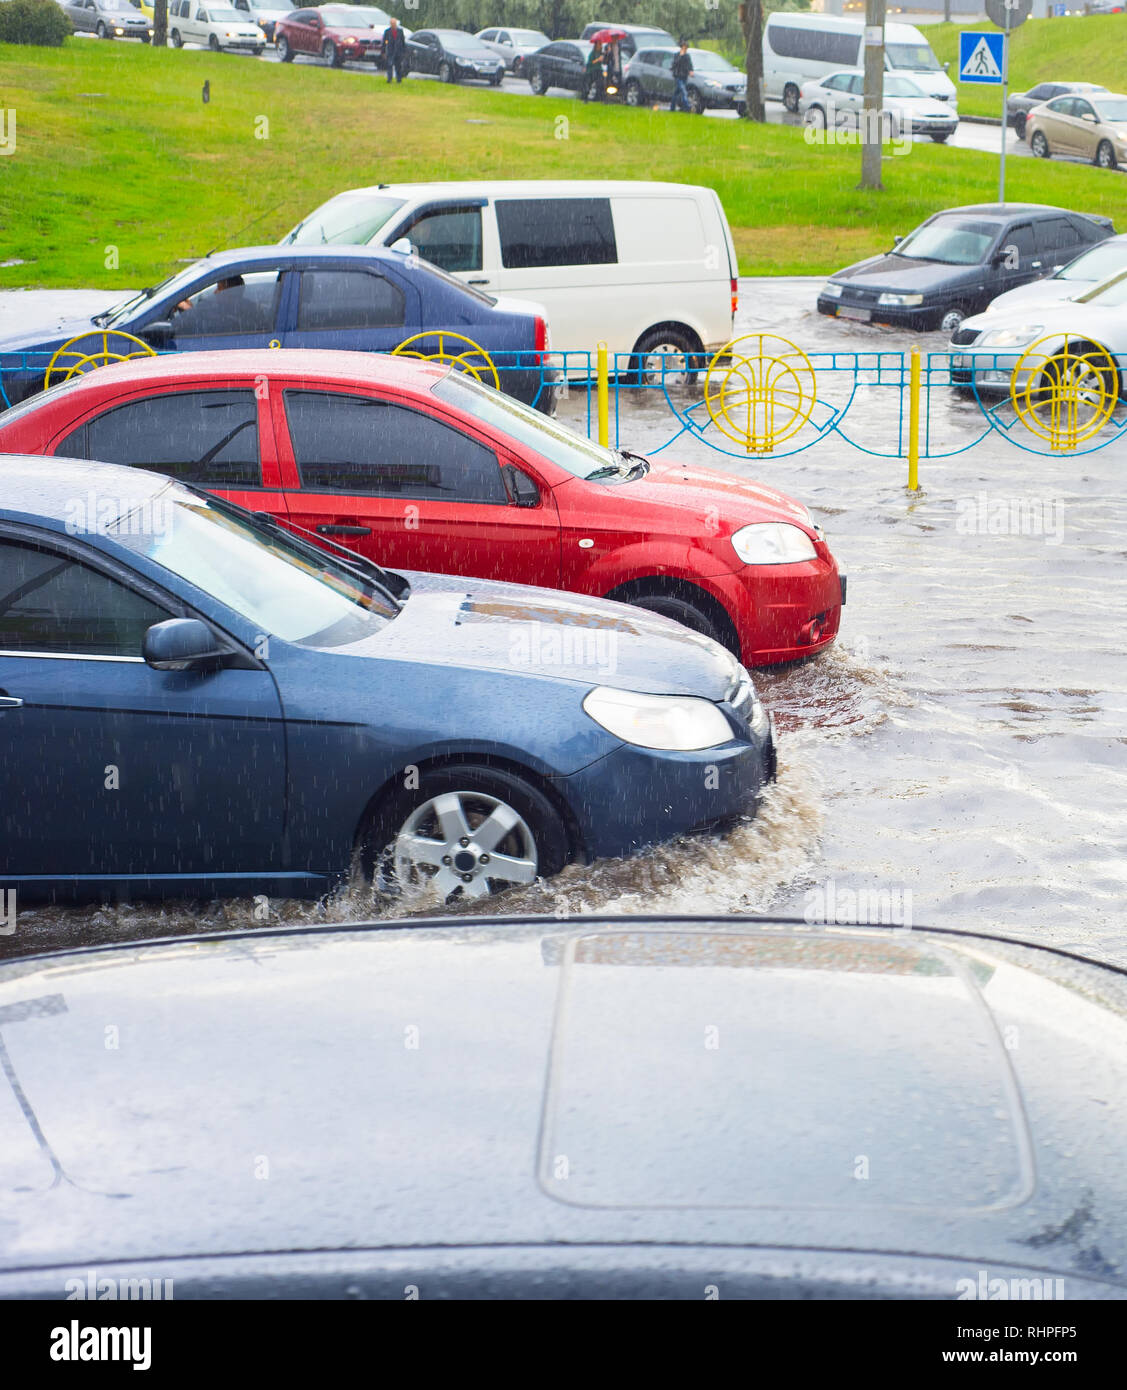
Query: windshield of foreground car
[(572, 452), (224, 16), (1108, 295), (355, 18), (122, 311), (349, 220), (704, 61), (1096, 264), (281, 586), (895, 86), (1111, 111), (917, 57), (949, 240)]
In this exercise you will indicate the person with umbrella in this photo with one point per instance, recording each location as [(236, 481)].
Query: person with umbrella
[(604, 66)]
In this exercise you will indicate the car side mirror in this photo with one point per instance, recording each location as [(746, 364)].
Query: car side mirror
[(1089, 117), (181, 643), (522, 489), (403, 246), (896, 240), (157, 334)]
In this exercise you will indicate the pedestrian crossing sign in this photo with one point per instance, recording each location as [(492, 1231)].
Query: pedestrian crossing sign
[(981, 57)]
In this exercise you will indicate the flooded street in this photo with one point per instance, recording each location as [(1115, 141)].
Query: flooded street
[(963, 748)]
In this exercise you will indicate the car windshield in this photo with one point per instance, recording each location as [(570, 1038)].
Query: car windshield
[(350, 220), (126, 307), (704, 61), (902, 87), (115, 5), (1111, 294), (529, 37), (653, 38), (1111, 109), (1096, 264), (462, 43), (917, 57), (951, 240), (572, 452), (299, 595), (354, 17), (223, 15)]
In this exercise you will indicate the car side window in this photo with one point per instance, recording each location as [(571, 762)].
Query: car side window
[(231, 304), (856, 85), (1056, 234), (336, 299), (1019, 247), (359, 445), (537, 232), (1082, 108), (449, 238), (488, 35), (50, 602), (206, 437)]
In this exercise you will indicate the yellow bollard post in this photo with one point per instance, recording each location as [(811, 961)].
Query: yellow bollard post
[(914, 423), (603, 396)]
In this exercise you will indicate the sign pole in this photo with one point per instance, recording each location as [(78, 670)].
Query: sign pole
[(1005, 93)]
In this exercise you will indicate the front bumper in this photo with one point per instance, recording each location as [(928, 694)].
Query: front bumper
[(782, 612), (920, 316), (724, 100), (637, 797)]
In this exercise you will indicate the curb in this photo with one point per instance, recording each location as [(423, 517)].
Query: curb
[(980, 120)]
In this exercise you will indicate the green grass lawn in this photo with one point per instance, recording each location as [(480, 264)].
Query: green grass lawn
[(116, 149), (1087, 48)]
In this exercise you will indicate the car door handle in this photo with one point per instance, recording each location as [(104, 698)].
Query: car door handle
[(339, 529), (9, 701), (478, 282)]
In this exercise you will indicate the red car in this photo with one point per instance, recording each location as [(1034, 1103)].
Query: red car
[(420, 467), (335, 33)]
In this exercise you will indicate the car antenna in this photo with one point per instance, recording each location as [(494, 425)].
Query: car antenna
[(243, 228)]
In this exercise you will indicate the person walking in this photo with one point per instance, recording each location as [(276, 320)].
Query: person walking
[(682, 71), (395, 51)]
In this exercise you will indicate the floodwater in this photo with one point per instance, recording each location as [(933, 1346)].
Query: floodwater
[(959, 758)]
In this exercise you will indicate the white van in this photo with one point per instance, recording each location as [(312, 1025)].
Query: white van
[(798, 47), (643, 267), (217, 25)]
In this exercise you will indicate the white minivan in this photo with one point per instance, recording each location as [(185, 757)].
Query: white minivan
[(643, 267), (799, 47), (217, 25)]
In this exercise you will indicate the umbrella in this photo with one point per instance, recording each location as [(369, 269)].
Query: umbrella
[(609, 36)]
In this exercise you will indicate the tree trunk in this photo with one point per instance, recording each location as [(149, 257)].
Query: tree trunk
[(871, 126), (160, 23), (751, 18)]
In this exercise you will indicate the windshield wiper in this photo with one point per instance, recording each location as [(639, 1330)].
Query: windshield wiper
[(394, 587), (104, 317)]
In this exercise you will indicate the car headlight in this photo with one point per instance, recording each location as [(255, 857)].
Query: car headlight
[(904, 301), (1010, 337), (773, 543), (675, 723), (831, 291)]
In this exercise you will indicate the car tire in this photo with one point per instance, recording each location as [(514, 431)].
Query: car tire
[(285, 52), (176, 40), (518, 67), (330, 56), (950, 321), (1039, 145), (696, 102), (445, 72), (790, 97), (1105, 155), (741, 109), (671, 339), (632, 93), (496, 80), (102, 32), (815, 117), (1112, 382), (536, 82), (939, 139), (213, 43), (1019, 126), (146, 38), (257, 51), (682, 610), (538, 835)]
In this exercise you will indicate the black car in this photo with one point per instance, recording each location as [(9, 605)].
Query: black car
[(519, 1108), (562, 64), (957, 261), (453, 55), (1019, 104)]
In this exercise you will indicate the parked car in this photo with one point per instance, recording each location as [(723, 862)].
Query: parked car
[(454, 56), (200, 647), (1019, 104), (839, 99), (216, 26), (109, 19), (715, 83), (630, 263), (347, 444), (987, 348), (360, 298), (957, 261), (265, 14), (1091, 126), (1088, 269), (635, 36), (513, 46), (335, 33), (562, 65), (799, 48), (557, 1122)]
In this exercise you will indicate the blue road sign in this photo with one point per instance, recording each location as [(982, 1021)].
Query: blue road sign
[(981, 57)]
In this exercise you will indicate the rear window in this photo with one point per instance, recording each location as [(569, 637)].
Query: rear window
[(538, 232)]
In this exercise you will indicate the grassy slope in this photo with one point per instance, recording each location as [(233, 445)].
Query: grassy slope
[(116, 148), (1089, 48)]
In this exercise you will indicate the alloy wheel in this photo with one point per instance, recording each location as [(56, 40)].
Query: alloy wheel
[(465, 842)]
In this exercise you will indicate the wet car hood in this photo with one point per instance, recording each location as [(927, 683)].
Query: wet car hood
[(48, 334), (450, 620), (1039, 292), (906, 274), (1106, 325), (866, 1090)]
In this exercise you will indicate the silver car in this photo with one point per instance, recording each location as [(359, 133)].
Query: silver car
[(513, 46), (109, 19), (714, 81)]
